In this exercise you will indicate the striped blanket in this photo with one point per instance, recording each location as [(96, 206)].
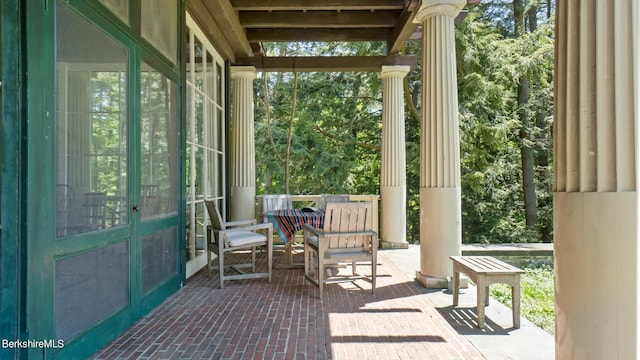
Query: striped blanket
[(288, 222)]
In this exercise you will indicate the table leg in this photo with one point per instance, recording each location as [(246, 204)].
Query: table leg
[(456, 287), (288, 258), (288, 253), (486, 296), (482, 295), (515, 302)]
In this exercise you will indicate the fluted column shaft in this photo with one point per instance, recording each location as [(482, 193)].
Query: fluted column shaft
[(440, 203), (595, 179), (243, 163), (393, 177)]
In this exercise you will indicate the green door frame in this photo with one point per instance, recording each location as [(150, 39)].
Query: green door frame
[(39, 210), (12, 258)]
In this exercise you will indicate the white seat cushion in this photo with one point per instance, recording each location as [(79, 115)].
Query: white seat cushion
[(240, 238)]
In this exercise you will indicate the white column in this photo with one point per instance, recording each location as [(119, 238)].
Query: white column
[(243, 163), (595, 180), (440, 203), (393, 172)]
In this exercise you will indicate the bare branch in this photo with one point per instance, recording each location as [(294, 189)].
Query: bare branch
[(347, 142)]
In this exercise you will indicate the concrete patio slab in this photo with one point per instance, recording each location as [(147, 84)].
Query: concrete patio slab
[(498, 339)]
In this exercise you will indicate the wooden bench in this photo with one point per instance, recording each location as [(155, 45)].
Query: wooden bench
[(484, 271)]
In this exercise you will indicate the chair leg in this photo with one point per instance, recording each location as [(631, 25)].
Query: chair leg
[(208, 245), (208, 261), (253, 259), (353, 268), (270, 257), (320, 274), (307, 251), (221, 265), (374, 265)]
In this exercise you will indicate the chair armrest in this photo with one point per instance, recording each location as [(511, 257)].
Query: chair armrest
[(268, 226), (240, 223), (357, 233), (314, 231)]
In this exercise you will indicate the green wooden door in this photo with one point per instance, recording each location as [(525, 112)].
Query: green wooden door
[(113, 252)]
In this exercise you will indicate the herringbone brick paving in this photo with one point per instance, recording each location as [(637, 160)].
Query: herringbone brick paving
[(252, 319)]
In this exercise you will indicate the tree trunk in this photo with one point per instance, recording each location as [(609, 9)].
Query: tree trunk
[(527, 159), (268, 182), (542, 164), (287, 157), (526, 152)]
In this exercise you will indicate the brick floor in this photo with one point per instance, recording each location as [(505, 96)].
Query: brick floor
[(252, 319)]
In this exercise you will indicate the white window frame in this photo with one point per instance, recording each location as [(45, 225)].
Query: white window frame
[(213, 145)]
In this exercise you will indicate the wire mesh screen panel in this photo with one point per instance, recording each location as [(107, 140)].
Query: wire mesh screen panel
[(92, 139), (89, 288), (159, 255), (159, 144), (120, 8)]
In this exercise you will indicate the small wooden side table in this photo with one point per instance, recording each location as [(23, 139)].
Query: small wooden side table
[(484, 271)]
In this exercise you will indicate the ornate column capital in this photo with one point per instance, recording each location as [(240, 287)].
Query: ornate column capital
[(398, 71), (429, 8), (247, 72)]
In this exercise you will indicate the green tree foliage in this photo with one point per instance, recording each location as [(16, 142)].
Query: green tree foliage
[(489, 68), (335, 145)]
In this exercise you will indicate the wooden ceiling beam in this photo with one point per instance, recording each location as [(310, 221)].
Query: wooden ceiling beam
[(279, 35), (325, 63), (227, 20), (318, 19), (274, 5), (201, 15), (404, 27)]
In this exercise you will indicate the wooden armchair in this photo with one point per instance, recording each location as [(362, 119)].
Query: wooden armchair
[(234, 236), (326, 199), (346, 237), (275, 202)]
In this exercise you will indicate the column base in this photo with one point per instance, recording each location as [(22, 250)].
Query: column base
[(431, 282), (393, 245)]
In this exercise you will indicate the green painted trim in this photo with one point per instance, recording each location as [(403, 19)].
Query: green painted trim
[(12, 258), (39, 203), (95, 338), (40, 161), (159, 295), (82, 243), (135, 246), (125, 28)]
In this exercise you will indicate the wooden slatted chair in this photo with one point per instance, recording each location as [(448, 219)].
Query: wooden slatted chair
[(272, 202), (234, 236), (326, 199), (346, 237)]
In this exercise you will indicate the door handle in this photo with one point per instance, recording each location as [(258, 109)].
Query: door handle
[(135, 208)]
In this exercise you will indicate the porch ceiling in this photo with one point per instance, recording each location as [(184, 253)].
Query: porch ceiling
[(238, 27)]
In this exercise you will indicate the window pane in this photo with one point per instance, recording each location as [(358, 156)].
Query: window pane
[(119, 7), (159, 144), (219, 84), (198, 67), (205, 149), (160, 26), (91, 125)]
